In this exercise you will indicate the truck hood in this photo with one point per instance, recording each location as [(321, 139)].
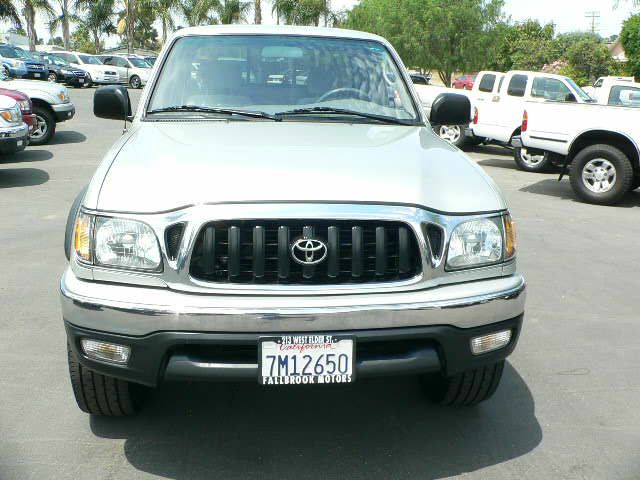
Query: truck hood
[(27, 86), (163, 166)]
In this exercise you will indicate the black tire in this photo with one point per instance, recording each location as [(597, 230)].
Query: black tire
[(45, 126), (635, 184), (623, 170), (528, 164), (71, 220), (467, 388), (454, 134), (52, 77), (102, 395), (475, 141), (5, 71), (135, 81), (88, 81)]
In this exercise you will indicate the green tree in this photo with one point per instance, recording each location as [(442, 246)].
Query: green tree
[(81, 40), (448, 35), (199, 12), (29, 9), (9, 12), (301, 12), (587, 57), (96, 18), (630, 38), (525, 45), (232, 11), (164, 10), (63, 21)]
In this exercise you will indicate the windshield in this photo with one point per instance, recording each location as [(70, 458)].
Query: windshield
[(58, 61), (278, 73), (581, 93), (89, 59), (9, 52), (138, 62), (25, 55)]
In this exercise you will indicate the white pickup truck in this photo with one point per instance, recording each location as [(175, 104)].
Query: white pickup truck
[(599, 142), (618, 91)]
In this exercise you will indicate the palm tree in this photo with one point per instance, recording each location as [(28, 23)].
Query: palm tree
[(29, 9), (301, 12), (199, 12), (232, 11), (8, 12), (257, 12), (164, 10), (63, 20), (97, 17)]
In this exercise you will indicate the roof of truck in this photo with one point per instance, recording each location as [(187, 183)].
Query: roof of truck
[(277, 30)]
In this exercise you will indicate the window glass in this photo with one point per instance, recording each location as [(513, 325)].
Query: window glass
[(487, 82), (89, 59), (625, 96), (550, 89), (517, 86), (276, 73), (138, 62)]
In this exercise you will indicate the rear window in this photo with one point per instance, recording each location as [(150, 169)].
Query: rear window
[(517, 86), (487, 82), (623, 95)]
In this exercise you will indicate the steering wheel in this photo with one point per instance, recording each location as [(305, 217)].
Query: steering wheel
[(344, 92)]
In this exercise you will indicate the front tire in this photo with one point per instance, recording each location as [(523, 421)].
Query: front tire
[(102, 395), (88, 81), (135, 82), (467, 388), (531, 163), (601, 174), (454, 134), (52, 77), (45, 126)]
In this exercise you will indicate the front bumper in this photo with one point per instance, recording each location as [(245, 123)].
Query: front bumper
[(36, 74), (174, 335), (64, 111), (14, 139)]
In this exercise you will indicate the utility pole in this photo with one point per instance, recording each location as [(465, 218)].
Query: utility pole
[(593, 17)]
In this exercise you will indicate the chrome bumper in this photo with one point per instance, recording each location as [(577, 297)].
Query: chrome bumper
[(136, 311)]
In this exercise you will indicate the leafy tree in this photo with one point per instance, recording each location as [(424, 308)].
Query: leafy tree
[(164, 10), (81, 40), (199, 12), (448, 35), (29, 9), (301, 12), (526, 45), (96, 18), (588, 58), (9, 12), (63, 21), (630, 38), (135, 24), (232, 11)]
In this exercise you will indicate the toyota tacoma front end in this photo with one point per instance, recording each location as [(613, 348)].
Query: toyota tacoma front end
[(309, 230)]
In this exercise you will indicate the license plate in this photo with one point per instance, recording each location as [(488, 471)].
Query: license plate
[(19, 143), (81, 80), (306, 359), (36, 74)]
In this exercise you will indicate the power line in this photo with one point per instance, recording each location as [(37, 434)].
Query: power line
[(593, 17)]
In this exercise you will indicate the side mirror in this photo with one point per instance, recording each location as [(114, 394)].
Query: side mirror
[(112, 102), (450, 109)]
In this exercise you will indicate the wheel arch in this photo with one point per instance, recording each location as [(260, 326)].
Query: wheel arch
[(618, 140), (39, 102)]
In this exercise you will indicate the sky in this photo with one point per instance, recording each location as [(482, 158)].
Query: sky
[(567, 15)]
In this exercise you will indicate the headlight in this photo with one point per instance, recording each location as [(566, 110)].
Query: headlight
[(63, 96), (64, 71), (475, 243), (116, 242), (11, 115), (126, 244)]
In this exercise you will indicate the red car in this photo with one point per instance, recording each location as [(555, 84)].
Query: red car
[(25, 106), (465, 82)]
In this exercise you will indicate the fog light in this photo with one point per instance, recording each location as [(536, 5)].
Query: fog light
[(109, 352), (488, 343)]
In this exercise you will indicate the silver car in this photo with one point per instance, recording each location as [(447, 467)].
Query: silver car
[(312, 230)]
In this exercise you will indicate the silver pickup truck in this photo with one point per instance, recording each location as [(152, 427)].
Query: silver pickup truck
[(281, 212)]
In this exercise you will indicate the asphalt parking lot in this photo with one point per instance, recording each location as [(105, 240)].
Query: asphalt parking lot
[(568, 406)]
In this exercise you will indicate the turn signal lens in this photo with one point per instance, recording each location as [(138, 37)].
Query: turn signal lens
[(525, 122), (82, 237), (104, 351), (510, 239), (491, 342)]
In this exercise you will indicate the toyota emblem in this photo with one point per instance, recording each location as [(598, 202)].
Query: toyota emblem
[(308, 251)]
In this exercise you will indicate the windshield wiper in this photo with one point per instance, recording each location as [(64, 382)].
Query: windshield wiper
[(223, 111), (345, 111)]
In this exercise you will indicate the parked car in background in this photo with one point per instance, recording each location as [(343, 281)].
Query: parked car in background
[(151, 60), (499, 116), (14, 133), (420, 78), (371, 247), (465, 82), (36, 69), (96, 71), (617, 91), (51, 104), (61, 71), (598, 142), (131, 69), (26, 107)]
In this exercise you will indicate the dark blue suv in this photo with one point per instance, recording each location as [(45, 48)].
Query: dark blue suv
[(33, 68)]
